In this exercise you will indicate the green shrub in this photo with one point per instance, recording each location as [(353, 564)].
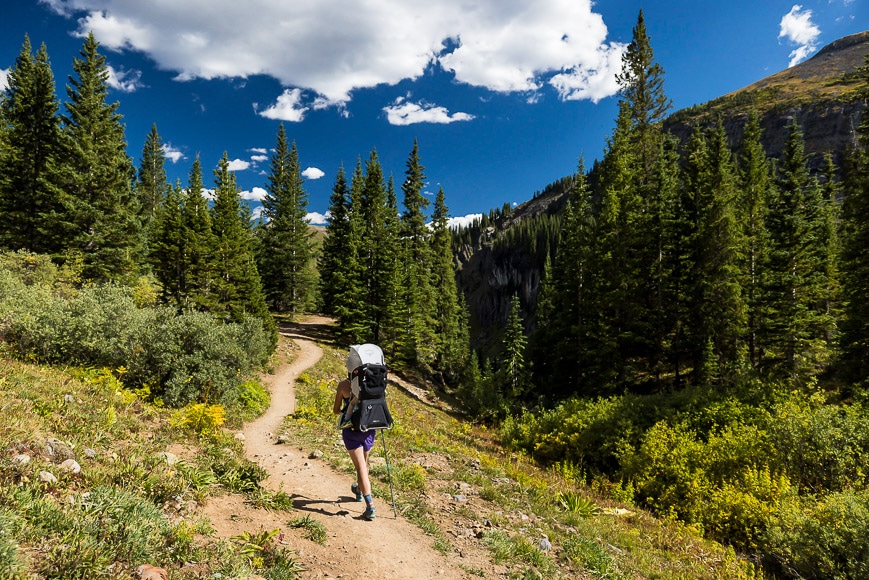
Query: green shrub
[(827, 538), (823, 447), (176, 359)]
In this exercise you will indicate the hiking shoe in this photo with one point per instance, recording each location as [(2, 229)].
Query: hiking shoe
[(369, 513), (354, 489)]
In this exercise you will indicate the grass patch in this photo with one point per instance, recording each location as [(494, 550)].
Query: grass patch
[(120, 506)]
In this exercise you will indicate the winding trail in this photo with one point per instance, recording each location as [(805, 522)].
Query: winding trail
[(387, 548)]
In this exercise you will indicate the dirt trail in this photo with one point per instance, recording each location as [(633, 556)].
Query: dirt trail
[(386, 548)]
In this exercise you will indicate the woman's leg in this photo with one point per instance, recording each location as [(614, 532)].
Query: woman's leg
[(359, 457)]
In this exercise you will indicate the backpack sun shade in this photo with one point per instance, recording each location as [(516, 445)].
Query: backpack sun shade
[(366, 410)]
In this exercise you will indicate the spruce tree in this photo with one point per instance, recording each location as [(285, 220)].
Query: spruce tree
[(30, 197), (854, 338), (512, 376), (237, 282), (564, 324), (377, 254), (201, 245), (793, 288), (451, 352), (168, 249), (755, 187), (101, 213), (417, 298), (152, 186), (333, 263), (286, 250), (350, 300), (718, 308)]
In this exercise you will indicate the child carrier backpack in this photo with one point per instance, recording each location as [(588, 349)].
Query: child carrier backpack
[(367, 408)]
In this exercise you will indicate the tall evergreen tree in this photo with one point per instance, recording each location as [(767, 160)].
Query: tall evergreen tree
[(237, 282), (376, 253), (854, 338), (755, 185), (201, 244), (334, 261), (450, 328), (30, 155), (350, 305), (512, 376), (286, 251), (718, 308), (418, 306), (152, 186), (101, 213), (793, 289), (168, 250), (562, 341)]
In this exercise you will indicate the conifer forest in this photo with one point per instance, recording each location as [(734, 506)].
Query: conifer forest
[(694, 337)]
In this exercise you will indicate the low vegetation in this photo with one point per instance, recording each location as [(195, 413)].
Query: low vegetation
[(594, 530)]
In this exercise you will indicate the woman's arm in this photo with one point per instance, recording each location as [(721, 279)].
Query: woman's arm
[(341, 393)]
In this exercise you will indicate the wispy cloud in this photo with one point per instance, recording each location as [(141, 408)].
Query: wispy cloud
[(797, 27), (126, 81), (322, 52), (402, 112)]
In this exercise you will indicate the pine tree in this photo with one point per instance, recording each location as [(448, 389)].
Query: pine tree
[(513, 372), (564, 333), (854, 338), (350, 305), (755, 185), (718, 308), (286, 250), (377, 254), (201, 245), (152, 186), (237, 282), (168, 250), (418, 306), (101, 213), (451, 352), (29, 192), (793, 290), (392, 265), (335, 275)]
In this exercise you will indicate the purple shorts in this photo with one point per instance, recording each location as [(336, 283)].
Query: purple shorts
[(356, 439)]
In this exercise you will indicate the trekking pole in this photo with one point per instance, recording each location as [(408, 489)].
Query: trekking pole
[(388, 473)]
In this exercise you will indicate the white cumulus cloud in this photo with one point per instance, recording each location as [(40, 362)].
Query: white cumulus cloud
[(255, 194), (313, 173), (4, 78), (238, 165), (463, 221), (317, 219), (172, 154), (797, 27), (402, 112), (288, 107), (323, 51)]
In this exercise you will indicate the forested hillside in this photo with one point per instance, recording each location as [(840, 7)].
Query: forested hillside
[(682, 324)]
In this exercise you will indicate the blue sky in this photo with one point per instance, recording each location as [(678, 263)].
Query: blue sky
[(503, 96)]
